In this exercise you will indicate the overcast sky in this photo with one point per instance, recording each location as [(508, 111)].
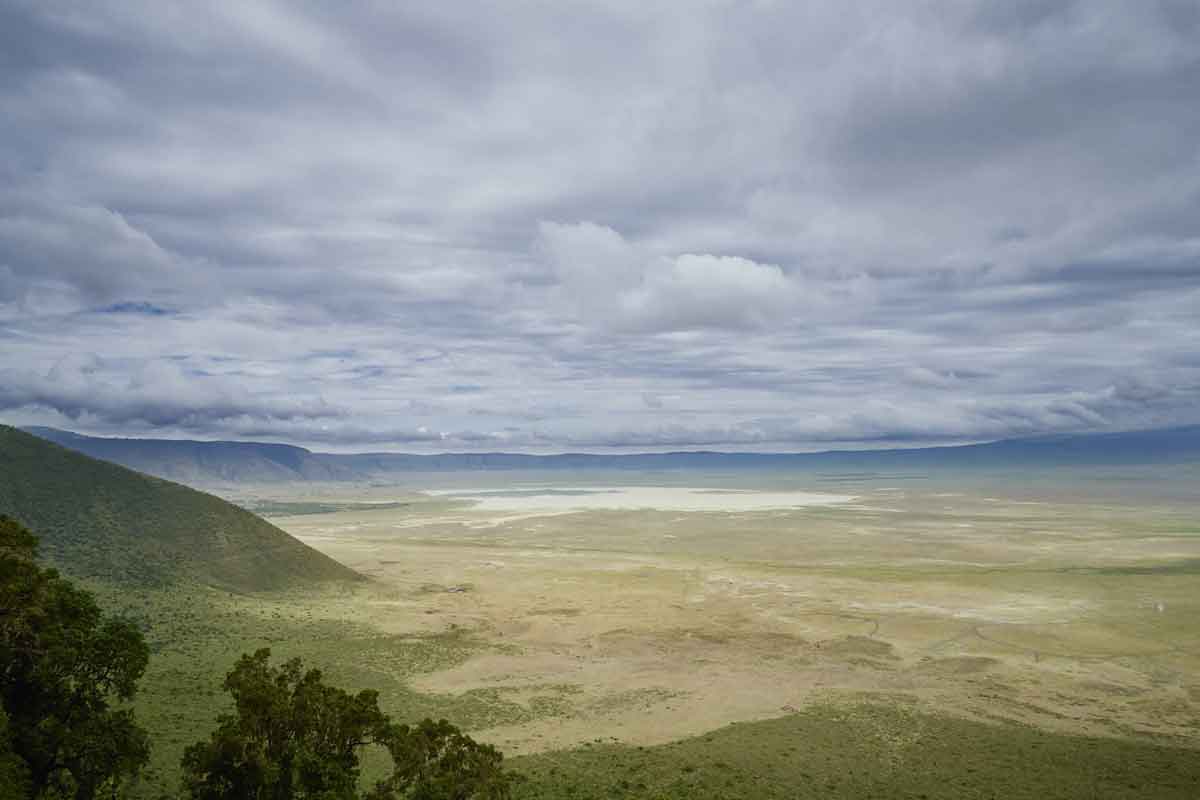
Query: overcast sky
[(557, 226)]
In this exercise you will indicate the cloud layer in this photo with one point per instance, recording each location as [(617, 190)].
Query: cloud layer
[(630, 225)]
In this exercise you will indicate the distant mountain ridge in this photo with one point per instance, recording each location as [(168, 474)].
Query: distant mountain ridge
[(250, 462), (102, 521), (196, 461)]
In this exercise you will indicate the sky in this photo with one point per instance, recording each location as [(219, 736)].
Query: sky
[(625, 226)]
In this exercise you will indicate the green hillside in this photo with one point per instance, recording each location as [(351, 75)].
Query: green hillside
[(871, 749), (100, 521)]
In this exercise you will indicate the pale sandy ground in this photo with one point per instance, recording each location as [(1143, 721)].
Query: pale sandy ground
[(657, 613), (558, 499)]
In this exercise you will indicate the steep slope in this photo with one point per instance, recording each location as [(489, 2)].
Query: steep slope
[(99, 520)]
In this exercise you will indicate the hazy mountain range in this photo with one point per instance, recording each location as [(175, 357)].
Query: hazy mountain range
[(225, 462)]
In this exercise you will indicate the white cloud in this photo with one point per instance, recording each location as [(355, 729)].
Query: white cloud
[(616, 284)]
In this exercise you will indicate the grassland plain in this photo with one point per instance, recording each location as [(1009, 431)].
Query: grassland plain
[(846, 744), (197, 633), (1073, 615), (870, 747), (1022, 640)]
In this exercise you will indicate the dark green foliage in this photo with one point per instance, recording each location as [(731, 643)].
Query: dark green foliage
[(63, 666), (289, 736), (292, 736), (14, 773), (436, 761), (101, 521)]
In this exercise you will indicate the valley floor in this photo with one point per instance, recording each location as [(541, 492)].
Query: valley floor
[(552, 618), (655, 624)]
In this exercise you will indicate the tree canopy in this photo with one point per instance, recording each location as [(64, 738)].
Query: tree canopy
[(293, 736), (65, 672)]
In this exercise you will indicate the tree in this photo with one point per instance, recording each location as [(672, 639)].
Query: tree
[(292, 737), (14, 775), (436, 761), (63, 668)]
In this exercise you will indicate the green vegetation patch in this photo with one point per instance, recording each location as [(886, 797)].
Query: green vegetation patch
[(99, 521), (195, 635), (859, 647), (1185, 566), (632, 699), (281, 508), (866, 750)]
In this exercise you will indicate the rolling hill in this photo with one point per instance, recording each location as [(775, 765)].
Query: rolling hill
[(217, 463), (102, 521)]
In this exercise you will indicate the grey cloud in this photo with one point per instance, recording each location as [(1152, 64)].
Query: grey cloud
[(877, 421), (87, 252), (623, 225), (159, 393)]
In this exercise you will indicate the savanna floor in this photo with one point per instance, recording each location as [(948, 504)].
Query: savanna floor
[(546, 617), (652, 613)]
